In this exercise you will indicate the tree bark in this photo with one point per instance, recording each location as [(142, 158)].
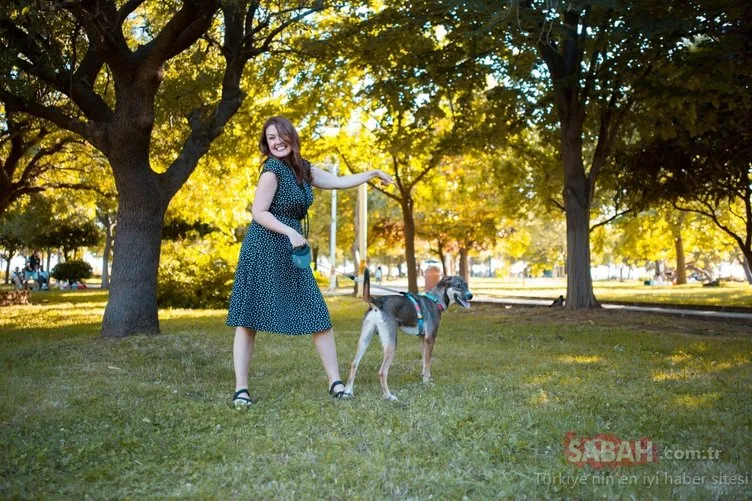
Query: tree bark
[(442, 257), (681, 262), (577, 204), (409, 221), (132, 304), (464, 264), (745, 264), (106, 220)]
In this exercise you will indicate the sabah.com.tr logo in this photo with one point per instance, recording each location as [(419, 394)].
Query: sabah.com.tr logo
[(608, 451)]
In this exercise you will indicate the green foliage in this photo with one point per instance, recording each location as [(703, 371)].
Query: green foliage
[(195, 275), (70, 234), (179, 228), (25, 223), (321, 278), (72, 271)]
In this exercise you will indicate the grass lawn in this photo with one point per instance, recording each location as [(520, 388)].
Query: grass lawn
[(734, 294), (148, 417), (730, 294)]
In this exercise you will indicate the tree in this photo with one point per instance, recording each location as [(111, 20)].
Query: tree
[(11, 239), (694, 134), (69, 235), (72, 271), (106, 63), (594, 55), (29, 152), (467, 209)]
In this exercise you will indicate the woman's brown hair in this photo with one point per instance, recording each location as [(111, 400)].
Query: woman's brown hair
[(288, 133)]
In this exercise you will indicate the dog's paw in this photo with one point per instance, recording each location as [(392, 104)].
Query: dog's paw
[(427, 380), (349, 390), (391, 397)]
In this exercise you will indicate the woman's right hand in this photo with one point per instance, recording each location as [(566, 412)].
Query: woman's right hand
[(296, 239)]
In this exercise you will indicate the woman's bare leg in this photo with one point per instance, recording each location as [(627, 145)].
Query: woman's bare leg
[(242, 352), (327, 350)]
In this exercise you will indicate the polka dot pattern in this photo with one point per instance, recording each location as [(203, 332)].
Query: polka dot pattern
[(270, 294)]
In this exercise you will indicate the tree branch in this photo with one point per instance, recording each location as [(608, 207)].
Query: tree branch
[(420, 176), (101, 21), (180, 32), (612, 218), (37, 64), (557, 204), (52, 113), (714, 217), (126, 10), (269, 39)]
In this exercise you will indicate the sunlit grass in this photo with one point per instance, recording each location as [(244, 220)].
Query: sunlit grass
[(580, 359), (147, 417), (730, 294)]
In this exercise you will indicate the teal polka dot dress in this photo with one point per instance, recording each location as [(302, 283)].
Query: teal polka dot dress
[(269, 293)]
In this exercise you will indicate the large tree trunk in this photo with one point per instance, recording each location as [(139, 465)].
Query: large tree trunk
[(409, 221), (745, 264), (132, 304), (442, 257), (464, 264), (106, 220), (681, 261), (577, 204)]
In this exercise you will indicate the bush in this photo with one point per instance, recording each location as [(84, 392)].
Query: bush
[(321, 279), (71, 271), (196, 275)]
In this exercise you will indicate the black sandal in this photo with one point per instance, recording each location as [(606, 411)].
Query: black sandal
[(339, 394), (239, 401)]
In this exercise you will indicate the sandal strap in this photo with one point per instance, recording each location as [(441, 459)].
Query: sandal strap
[(237, 394), (334, 385)]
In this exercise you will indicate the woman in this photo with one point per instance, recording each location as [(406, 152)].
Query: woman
[(270, 293)]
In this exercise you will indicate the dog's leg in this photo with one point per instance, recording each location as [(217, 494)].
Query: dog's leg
[(428, 343), (388, 337), (384, 371), (366, 334)]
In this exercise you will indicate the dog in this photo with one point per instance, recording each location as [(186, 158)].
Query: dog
[(398, 311)]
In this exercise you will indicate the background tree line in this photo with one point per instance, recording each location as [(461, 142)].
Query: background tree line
[(548, 131)]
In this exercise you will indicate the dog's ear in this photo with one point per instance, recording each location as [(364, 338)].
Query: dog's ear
[(445, 281)]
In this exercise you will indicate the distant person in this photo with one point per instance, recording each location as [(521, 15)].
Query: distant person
[(378, 275), (35, 262), (17, 277), (43, 278)]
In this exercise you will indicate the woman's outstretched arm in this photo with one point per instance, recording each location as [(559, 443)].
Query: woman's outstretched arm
[(327, 181)]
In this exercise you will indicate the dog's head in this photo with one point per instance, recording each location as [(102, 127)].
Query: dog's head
[(455, 290)]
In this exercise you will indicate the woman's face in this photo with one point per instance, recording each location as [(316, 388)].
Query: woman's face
[(277, 146)]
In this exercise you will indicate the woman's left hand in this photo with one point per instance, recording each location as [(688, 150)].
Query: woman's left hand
[(383, 177)]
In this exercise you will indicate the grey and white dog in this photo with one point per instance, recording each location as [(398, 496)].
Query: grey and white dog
[(397, 311)]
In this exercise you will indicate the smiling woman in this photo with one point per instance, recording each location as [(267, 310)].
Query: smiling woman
[(271, 292)]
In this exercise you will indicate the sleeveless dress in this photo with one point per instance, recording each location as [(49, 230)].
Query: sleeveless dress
[(270, 294)]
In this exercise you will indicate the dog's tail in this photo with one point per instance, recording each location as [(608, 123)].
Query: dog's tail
[(367, 286)]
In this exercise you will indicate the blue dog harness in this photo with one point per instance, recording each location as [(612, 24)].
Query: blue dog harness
[(421, 328)]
